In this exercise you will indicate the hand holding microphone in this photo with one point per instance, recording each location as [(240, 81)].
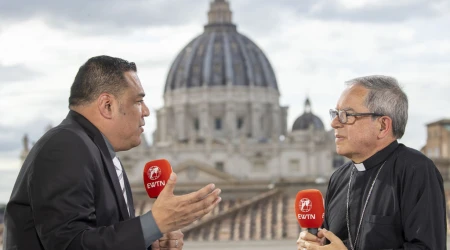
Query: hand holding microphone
[(310, 213), (311, 242), (172, 212)]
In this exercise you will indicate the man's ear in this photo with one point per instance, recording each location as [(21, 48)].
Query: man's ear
[(385, 124), (105, 105)]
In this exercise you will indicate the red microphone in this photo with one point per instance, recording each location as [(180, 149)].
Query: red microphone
[(309, 209), (156, 174)]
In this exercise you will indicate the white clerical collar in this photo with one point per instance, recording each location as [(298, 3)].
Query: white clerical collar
[(360, 166)]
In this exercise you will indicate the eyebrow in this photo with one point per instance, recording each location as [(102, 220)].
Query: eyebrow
[(142, 94), (348, 109)]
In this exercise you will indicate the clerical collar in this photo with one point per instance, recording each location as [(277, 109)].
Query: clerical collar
[(376, 159), (110, 147)]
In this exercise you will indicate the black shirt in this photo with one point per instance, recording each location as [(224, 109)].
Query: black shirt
[(406, 208)]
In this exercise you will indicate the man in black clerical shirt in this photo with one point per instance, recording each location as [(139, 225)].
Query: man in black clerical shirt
[(389, 196)]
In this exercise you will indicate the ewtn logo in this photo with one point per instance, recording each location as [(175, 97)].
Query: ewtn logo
[(305, 205), (154, 172)]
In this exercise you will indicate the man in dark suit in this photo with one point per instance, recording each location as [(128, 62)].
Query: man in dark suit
[(72, 192)]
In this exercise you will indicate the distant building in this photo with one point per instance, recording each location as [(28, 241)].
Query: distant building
[(438, 145), (2, 213), (25, 148), (221, 112)]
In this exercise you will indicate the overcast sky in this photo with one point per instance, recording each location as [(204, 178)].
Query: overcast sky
[(313, 46)]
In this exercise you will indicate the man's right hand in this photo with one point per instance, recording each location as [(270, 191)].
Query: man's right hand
[(173, 212), (307, 241), (305, 237)]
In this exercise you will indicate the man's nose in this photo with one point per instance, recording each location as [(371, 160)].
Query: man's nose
[(335, 123), (146, 110)]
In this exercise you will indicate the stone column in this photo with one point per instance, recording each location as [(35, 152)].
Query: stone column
[(205, 130), (283, 121), (276, 121), (258, 224), (204, 121), (180, 120), (256, 121), (162, 117), (269, 219), (279, 223), (230, 121), (247, 224), (236, 225)]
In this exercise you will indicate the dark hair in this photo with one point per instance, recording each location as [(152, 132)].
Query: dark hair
[(98, 75)]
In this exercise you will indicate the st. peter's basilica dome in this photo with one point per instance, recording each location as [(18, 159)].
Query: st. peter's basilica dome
[(220, 56)]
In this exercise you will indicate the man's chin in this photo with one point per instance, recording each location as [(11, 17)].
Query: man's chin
[(136, 143), (340, 151), (131, 145)]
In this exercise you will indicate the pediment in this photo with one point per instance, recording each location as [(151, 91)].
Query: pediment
[(192, 171)]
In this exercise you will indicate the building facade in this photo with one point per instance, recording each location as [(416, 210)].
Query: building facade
[(222, 122), (437, 147), (221, 112)]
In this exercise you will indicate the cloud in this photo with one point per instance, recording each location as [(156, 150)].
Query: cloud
[(104, 16), (15, 73), (12, 135), (259, 18), (120, 17), (153, 63), (371, 11)]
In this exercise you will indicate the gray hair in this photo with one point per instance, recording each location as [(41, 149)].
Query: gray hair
[(385, 97)]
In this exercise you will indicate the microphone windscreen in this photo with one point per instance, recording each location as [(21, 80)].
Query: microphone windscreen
[(156, 174), (309, 208)]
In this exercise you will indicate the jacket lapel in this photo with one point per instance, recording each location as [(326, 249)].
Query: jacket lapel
[(111, 175)]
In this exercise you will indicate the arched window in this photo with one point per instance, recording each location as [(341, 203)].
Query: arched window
[(239, 122), (218, 124), (196, 124)]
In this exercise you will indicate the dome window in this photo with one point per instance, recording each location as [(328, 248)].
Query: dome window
[(240, 123), (196, 124), (218, 124)]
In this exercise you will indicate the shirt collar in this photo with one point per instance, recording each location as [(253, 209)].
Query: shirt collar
[(110, 147), (378, 158)]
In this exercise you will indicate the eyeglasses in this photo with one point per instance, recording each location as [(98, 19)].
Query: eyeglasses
[(343, 115)]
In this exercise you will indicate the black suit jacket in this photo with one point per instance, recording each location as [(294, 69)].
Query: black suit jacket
[(68, 196)]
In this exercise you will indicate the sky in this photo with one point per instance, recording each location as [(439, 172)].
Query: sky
[(314, 46)]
